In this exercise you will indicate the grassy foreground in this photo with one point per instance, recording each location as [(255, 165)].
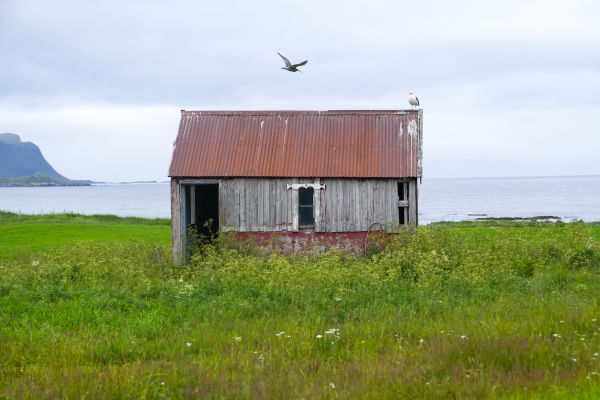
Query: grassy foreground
[(455, 311)]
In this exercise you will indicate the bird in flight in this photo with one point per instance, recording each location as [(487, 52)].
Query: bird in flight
[(412, 99), (291, 67)]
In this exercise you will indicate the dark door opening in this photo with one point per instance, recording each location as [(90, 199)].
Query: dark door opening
[(202, 211)]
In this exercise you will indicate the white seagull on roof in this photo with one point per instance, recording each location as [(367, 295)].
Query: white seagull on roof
[(412, 99)]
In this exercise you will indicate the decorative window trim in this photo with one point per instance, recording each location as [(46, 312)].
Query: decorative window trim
[(296, 186)]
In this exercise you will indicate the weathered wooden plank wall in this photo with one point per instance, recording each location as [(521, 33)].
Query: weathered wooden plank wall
[(177, 244), (345, 205)]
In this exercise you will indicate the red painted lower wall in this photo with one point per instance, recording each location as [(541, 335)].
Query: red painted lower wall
[(348, 242)]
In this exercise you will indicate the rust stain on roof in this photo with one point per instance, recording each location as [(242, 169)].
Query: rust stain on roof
[(344, 143)]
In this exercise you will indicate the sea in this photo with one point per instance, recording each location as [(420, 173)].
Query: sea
[(555, 198)]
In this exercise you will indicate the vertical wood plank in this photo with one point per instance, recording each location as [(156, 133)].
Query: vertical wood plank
[(357, 209), (294, 206), (369, 205), (176, 221), (272, 204), (241, 207), (412, 202), (317, 206), (266, 226), (285, 202), (255, 203), (338, 204), (278, 202), (259, 204), (249, 205), (325, 207)]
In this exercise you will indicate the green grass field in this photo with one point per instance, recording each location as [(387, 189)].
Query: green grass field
[(467, 310)]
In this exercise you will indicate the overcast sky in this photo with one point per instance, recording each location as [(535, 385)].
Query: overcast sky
[(508, 88)]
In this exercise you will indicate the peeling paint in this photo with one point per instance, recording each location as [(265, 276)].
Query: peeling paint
[(318, 242), (413, 129)]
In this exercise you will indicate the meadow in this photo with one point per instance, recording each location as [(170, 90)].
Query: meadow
[(91, 309)]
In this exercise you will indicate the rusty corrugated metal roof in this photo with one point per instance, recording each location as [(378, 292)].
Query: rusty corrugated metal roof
[(350, 144)]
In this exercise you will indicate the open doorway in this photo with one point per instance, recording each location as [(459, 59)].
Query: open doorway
[(202, 210)]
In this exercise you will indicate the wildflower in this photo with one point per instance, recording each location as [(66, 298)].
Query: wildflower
[(289, 336), (561, 321), (35, 263), (595, 354), (332, 385), (463, 337), (556, 335), (237, 338), (319, 336), (162, 383), (421, 340), (467, 376), (279, 334), (427, 383), (593, 319), (188, 344), (574, 359), (337, 298), (362, 341)]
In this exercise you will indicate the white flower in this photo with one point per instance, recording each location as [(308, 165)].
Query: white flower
[(427, 383), (593, 319), (561, 321), (595, 354), (556, 335), (574, 359), (162, 383), (421, 340), (279, 334), (463, 337), (332, 385), (188, 344), (237, 338), (319, 336), (337, 298)]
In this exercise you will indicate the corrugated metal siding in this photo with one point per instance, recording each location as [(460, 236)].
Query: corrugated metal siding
[(352, 144)]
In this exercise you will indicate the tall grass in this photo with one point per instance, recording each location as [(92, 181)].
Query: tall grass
[(460, 311)]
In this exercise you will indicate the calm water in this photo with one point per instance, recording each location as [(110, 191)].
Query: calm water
[(439, 199)]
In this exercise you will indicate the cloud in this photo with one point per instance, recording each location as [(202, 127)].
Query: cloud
[(490, 75), (100, 142)]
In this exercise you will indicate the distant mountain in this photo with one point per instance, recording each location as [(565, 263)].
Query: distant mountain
[(21, 160)]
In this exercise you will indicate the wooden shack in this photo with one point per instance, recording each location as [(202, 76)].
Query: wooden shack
[(310, 177)]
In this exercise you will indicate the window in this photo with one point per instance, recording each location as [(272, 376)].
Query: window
[(306, 215), (402, 203)]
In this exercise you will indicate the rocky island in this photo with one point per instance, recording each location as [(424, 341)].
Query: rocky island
[(22, 164)]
